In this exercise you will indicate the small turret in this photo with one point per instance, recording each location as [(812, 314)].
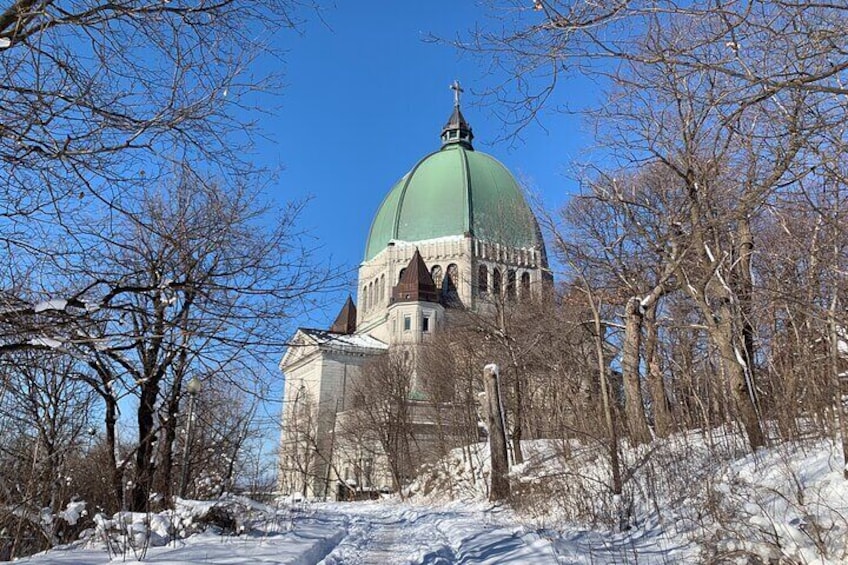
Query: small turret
[(346, 320), (416, 284), (457, 129)]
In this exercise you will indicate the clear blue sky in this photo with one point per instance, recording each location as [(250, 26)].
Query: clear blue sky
[(366, 96)]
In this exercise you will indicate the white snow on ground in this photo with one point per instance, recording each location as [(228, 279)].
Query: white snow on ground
[(307, 542), (692, 499), (392, 532), (386, 532)]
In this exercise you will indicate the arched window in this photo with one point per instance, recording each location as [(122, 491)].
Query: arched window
[(371, 294), (496, 282), (364, 298), (400, 274), (436, 273), (510, 284), (449, 285), (525, 285), (453, 275), (482, 279), (382, 288)]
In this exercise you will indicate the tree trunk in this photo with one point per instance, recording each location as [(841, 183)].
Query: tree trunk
[(609, 412), (117, 478), (637, 423), (166, 448), (517, 456), (169, 424), (741, 387), (497, 436), (656, 382), (517, 428), (144, 464), (744, 292), (725, 323)]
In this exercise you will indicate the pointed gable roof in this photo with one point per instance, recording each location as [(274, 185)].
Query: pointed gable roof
[(416, 284), (346, 320)]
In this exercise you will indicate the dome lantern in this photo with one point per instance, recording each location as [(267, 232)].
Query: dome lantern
[(457, 129)]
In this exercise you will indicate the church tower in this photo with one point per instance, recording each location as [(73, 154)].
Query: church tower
[(454, 232)]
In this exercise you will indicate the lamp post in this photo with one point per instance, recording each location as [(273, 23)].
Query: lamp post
[(192, 388)]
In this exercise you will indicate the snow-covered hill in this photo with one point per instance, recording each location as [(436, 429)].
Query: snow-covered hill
[(693, 498)]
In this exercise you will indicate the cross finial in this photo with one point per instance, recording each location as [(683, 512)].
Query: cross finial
[(457, 90)]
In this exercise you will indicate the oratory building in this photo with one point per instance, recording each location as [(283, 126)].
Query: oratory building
[(452, 233)]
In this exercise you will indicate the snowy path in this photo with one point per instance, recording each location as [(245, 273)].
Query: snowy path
[(396, 534), (354, 534), (392, 533)]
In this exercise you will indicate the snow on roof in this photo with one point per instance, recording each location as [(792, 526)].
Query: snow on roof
[(324, 337)]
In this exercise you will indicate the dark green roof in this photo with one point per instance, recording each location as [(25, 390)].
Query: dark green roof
[(454, 191)]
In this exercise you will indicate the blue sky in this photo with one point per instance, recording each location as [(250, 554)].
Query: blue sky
[(366, 96)]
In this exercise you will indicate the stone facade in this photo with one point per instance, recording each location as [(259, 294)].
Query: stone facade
[(464, 255), (320, 368)]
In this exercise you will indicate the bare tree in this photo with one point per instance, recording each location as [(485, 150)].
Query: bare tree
[(95, 95), (734, 103), (225, 424), (382, 411), (99, 102), (766, 48), (45, 411), (197, 281), (300, 446), (613, 231)]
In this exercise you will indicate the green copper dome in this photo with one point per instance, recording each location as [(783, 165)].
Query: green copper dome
[(455, 191)]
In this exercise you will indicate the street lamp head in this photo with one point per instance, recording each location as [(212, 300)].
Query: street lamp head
[(193, 386)]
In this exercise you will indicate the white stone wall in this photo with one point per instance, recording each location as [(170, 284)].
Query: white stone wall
[(299, 424), (378, 276), (405, 322), (323, 379)]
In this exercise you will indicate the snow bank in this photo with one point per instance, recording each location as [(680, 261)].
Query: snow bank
[(135, 537), (789, 504), (700, 494)]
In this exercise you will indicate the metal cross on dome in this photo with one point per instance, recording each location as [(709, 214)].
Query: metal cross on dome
[(457, 90)]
